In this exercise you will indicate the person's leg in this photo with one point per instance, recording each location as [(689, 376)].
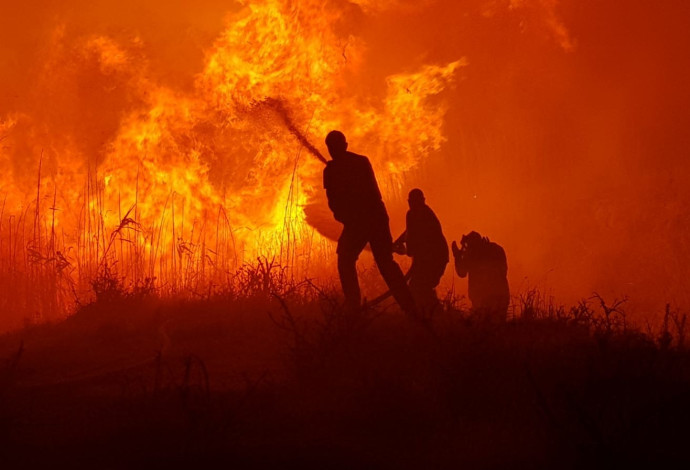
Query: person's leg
[(423, 279), (416, 282), (420, 293), (381, 243), (350, 244), (435, 275), (492, 309), (500, 308)]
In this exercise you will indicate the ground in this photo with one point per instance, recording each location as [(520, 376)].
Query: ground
[(284, 380)]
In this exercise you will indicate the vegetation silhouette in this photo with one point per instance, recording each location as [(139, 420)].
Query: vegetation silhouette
[(135, 380)]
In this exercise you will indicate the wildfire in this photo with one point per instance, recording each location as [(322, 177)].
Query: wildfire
[(191, 183)]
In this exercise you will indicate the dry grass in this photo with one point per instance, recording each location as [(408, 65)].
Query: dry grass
[(48, 268), (272, 372)]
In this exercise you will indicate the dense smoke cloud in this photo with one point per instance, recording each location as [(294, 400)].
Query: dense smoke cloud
[(565, 126), (571, 157)]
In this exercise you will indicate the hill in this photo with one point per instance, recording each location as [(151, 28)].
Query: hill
[(285, 379)]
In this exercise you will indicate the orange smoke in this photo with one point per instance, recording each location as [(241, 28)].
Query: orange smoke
[(539, 123)]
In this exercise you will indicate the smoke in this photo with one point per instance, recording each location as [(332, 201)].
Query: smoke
[(565, 138), (565, 141), (562, 135)]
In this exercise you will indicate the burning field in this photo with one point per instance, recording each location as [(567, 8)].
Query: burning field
[(162, 190), (168, 145), (111, 169)]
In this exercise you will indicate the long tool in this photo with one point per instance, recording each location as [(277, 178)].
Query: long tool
[(278, 106)]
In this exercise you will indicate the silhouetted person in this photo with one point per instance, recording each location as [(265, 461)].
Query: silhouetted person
[(355, 200), (423, 240), (485, 264)]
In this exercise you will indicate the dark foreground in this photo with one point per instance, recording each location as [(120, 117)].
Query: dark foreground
[(279, 382)]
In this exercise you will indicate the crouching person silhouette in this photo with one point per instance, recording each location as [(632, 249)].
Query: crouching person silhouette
[(423, 240), (484, 262), (355, 200)]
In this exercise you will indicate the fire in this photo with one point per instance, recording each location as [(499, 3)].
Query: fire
[(169, 145), (191, 183)]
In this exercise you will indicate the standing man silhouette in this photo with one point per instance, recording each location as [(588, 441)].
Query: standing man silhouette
[(423, 240), (355, 200)]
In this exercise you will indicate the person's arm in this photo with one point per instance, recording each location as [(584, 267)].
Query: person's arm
[(399, 244), (461, 260), (410, 234), (335, 199)]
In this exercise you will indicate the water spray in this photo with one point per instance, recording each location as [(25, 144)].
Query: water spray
[(278, 105)]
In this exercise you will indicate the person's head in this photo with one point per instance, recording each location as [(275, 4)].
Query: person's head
[(416, 198), (336, 143), (471, 239)]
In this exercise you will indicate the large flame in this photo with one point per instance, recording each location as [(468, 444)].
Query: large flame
[(192, 183), (153, 140)]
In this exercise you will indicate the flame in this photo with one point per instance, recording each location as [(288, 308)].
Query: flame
[(194, 182), (165, 142)]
